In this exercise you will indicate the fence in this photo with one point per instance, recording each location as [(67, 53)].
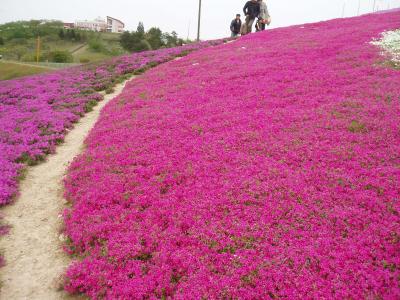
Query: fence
[(52, 65)]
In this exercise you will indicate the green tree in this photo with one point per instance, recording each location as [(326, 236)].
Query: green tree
[(59, 56), (154, 37), (61, 34), (68, 34), (142, 45), (126, 41), (140, 29), (134, 41), (30, 29), (83, 36), (170, 39), (73, 35), (140, 40), (1, 41), (19, 52), (174, 39)]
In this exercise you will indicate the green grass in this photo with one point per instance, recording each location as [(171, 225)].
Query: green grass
[(11, 70), (357, 127), (90, 56), (25, 49)]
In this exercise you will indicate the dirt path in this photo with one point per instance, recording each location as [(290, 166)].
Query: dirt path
[(79, 49), (32, 249)]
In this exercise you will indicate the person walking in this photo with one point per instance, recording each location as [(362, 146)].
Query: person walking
[(236, 25), (243, 29), (263, 18), (251, 10)]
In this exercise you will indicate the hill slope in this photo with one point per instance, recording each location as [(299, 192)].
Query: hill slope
[(36, 111), (266, 168), (10, 70)]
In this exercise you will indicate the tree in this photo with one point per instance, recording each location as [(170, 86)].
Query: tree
[(134, 41), (68, 34), (181, 42), (73, 35), (1, 41), (170, 39), (61, 34), (140, 29), (141, 45), (19, 51), (126, 41), (154, 37), (30, 29), (174, 39), (83, 36)]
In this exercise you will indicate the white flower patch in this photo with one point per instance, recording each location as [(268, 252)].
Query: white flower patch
[(390, 42)]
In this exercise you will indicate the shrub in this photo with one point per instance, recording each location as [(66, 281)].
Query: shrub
[(60, 56), (357, 127), (97, 46), (31, 57), (84, 60), (89, 105), (110, 90)]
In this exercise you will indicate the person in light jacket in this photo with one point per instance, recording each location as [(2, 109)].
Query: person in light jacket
[(263, 18)]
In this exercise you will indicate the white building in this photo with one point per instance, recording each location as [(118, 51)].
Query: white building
[(114, 25), (96, 25), (99, 25)]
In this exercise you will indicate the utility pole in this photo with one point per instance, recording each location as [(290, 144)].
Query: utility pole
[(198, 24), (38, 49), (373, 8), (359, 5)]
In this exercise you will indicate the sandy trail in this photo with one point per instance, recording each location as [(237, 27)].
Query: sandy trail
[(33, 248)]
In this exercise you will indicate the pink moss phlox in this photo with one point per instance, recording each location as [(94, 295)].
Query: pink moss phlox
[(265, 168)]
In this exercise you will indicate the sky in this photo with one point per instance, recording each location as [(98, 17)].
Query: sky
[(181, 15)]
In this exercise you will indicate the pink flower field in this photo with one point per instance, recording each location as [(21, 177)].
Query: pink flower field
[(36, 111), (265, 168)]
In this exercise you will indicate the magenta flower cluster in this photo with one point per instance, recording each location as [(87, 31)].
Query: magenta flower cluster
[(265, 168), (36, 111)]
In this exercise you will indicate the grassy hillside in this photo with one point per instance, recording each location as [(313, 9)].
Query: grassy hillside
[(98, 47), (10, 70), (18, 42)]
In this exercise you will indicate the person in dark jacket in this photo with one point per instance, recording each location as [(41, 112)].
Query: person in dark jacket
[(236, 24), (251, 11)]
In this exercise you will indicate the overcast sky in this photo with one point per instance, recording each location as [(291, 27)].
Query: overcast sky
[(181, 15)]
